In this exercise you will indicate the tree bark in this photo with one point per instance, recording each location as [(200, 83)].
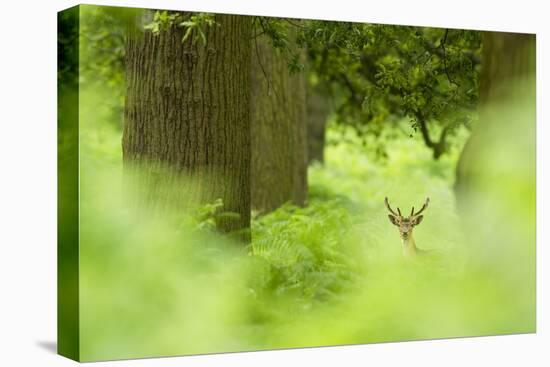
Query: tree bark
[(187, 109), (279, 131), (317, 114)]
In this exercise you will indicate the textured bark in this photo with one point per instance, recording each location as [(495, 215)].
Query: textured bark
[(187, 109), (317, 114), (279, 132)]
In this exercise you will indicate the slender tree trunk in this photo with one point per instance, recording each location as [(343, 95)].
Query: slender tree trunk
[(187, 109), (317, 114), (279, 132)]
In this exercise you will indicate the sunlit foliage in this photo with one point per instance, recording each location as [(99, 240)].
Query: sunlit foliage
[(329, 273), (332, 272), (382, 73)]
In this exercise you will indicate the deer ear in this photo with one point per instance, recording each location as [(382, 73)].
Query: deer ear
[(393, 220), (418, 219)]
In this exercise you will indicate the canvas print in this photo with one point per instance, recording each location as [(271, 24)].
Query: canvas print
[(239, 183)]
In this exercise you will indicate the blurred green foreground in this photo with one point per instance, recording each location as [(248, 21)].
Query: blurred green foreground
[(330, 273)]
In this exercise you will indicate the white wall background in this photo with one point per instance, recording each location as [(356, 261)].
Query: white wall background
[(28, 182)]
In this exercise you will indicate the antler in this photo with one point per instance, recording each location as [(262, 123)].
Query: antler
[(390, 209), (413, 214)]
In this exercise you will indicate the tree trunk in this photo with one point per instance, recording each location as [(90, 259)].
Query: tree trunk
[(496, 183), (279, 132), (187, 109), (317, 114), (507, 76)]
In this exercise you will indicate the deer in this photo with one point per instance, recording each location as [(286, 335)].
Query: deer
[(406, 225)]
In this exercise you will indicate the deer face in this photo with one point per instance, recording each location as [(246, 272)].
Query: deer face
[(405, 224)]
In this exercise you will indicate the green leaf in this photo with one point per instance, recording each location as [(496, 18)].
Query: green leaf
[(186, 35), (187, 23), (203, 36)]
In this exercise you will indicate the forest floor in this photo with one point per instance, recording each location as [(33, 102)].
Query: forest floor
[(329, 273)]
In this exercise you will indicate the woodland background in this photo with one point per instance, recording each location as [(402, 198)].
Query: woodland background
[(262, 226)]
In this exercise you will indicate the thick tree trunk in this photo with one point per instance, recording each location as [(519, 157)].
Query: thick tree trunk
[(279, 132), (318, 109), (496, 181), (187, 109), (507, 76)]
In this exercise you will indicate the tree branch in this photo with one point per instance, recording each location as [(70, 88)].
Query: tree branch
[(444, 57), (424, 132), (439, 147), (351, 88), (433, 49), (260, 61)]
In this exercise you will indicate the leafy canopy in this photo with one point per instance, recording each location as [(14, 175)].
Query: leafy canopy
[(381, 73)]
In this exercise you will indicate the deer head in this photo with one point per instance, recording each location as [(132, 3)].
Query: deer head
[(406, 224)]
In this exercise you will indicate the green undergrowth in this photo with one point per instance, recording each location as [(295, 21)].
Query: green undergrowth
[(331, 272)]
